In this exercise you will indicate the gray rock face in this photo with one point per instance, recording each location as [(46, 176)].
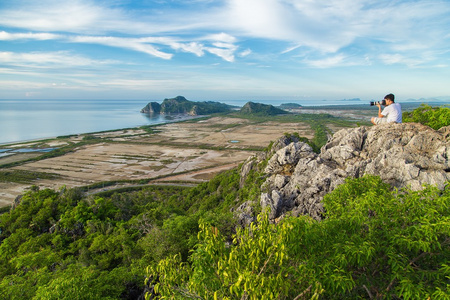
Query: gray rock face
[(152, 108), (403, 155)]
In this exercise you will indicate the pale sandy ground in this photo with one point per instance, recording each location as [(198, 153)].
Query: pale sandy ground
[(189, 152), (199, 150)]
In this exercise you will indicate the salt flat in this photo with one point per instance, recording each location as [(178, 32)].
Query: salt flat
[(191, 152)]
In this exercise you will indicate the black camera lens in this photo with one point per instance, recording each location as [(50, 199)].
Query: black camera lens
[(382, 102)]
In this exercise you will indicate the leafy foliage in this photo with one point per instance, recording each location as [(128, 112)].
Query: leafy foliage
[(375, 242), (435, 117), (180, 104), (259, 109), (61, 244), (23, 176)]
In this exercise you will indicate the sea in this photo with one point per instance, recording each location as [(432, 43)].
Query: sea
[(29, 119), (24, 120)]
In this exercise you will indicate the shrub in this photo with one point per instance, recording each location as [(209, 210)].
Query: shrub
[(435, 117)]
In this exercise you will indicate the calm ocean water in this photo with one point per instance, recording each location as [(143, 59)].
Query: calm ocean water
[(22, 120)]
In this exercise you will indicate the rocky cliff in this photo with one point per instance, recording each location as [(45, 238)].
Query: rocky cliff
[(180, 105), (152, 108), (404, 155)]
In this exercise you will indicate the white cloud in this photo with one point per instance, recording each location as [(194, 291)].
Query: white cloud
[(331, 61), (324, 26), (400, 32), (126, 43), (260, 18), (245, 53), (292, 48), (220, 37), (226, 54), (57, 59), (222, 49), (329, 26), (192, 47), (140, 84), (100, 17), (53, 15), (391, 59), (305, 23), (6, 36)]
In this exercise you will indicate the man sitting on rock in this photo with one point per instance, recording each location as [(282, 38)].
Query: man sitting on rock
[(392, 113)]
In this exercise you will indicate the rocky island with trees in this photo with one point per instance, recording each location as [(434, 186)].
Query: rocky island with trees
[(180, 105)]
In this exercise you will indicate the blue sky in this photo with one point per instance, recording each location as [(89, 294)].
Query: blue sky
[(224, 49)]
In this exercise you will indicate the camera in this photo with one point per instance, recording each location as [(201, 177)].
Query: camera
[(382, 102)]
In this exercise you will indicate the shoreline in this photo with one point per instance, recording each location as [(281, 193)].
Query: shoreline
[(191, 152), (325, 108), (176, 119)]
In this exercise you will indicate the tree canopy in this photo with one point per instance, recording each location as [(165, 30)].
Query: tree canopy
[(374, 243), (435, 117)]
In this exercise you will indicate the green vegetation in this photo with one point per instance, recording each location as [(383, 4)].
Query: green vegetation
[(258, 109), (295, 118), (373, 243), (435, 117), (183, 243), (89, 137), (22, 176), (290, 106), (318, 123), (321, 133), (65, 245), (54, 153), (150, 129), (181, 105)]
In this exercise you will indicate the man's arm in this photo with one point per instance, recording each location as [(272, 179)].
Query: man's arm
[(379, 111)]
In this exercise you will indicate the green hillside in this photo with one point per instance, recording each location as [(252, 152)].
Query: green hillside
[(259, 109), (176, 242), (180, 105)]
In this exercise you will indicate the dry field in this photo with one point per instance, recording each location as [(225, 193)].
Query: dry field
[(189, 152)]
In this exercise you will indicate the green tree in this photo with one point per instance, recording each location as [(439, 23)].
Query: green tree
[(435, 117), (374, 243)]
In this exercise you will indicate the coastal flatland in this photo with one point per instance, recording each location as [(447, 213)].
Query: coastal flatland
[(184, 152)]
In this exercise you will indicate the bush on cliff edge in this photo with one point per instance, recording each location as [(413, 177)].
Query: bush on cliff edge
[(435, 117)]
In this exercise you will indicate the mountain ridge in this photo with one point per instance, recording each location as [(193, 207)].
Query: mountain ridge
[(181, 105)]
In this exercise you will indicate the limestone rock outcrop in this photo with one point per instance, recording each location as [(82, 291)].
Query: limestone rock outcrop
[(403, 155), (152, 108)]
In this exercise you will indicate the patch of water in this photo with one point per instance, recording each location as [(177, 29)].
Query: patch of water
[(30, 150)]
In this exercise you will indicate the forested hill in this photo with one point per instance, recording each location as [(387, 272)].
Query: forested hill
[(180, 105), (259, 109), (356, 236)]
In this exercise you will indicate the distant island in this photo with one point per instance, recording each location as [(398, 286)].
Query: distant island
[(258, 109), (290, 106), (180, 105)]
